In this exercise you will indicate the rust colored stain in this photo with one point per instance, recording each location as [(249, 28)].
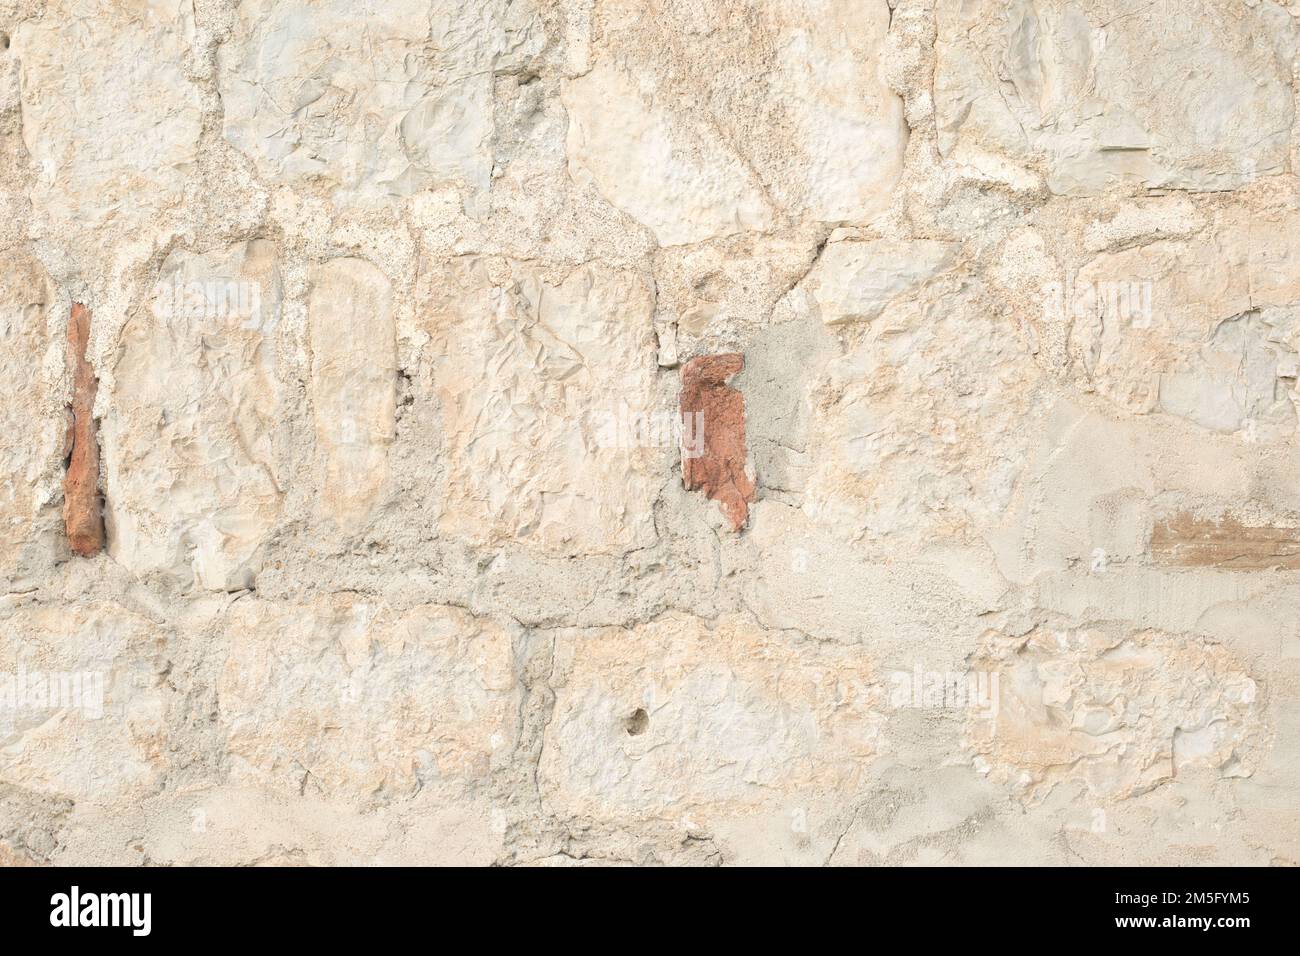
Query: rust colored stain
[(713, 435), (83, 519), (1188, 542)]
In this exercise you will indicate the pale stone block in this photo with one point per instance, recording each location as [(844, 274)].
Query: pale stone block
[(192, 479), (353, 384)]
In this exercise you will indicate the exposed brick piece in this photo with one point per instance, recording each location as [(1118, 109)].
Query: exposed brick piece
[(713, 440), (83, 519)]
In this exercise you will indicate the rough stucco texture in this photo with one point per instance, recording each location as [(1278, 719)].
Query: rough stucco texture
[(649, 431)]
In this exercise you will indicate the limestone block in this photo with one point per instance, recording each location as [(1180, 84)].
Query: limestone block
[(112, 139), (353, 384), (917, 428), (1100, 93), (378, 99), (552, 432), (1120, 713), (85, 703), (700, 130), (33, 424), (670, 177), (856, 281), (191, 475), (346, 699), (685, 722), (1202, 327)]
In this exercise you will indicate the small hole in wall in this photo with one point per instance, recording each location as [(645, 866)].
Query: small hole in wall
[(4, 41), (637, 723)]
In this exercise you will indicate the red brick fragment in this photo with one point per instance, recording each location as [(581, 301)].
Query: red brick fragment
[(83, 519), (713, 435)]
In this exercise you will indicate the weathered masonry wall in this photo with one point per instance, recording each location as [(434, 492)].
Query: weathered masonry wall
[(652, 431)]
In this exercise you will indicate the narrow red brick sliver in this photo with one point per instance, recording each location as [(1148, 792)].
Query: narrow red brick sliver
[(714, 454), (83, 519)]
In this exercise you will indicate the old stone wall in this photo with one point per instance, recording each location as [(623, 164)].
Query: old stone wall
[(649, 431)]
